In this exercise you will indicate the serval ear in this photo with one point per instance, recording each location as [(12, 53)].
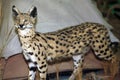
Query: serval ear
[(33, 12), (15, 11)]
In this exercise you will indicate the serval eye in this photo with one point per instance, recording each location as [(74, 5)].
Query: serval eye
[(18, 19), (25, 21)]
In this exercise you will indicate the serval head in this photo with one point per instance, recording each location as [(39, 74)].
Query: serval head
[(25, 22)]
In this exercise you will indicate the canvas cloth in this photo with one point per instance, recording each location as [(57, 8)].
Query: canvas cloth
[(52, 15)]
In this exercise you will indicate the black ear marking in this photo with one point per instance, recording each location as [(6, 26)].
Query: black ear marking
[(15, 11), (13, 6), (33, 12)]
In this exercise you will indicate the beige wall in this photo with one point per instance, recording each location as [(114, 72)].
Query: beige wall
[(0, 20)]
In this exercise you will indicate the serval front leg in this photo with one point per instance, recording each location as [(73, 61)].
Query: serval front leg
[(31, 65), (32, 70), (42, 67), (78, 62)]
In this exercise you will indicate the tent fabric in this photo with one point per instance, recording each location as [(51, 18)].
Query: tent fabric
[(52, 15)]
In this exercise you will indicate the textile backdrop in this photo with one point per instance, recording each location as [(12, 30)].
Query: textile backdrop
[(52, 15)]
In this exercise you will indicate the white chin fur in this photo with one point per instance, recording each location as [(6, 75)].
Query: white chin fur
[(29, 26), (25, 31)]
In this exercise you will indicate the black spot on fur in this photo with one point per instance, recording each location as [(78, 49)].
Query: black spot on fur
[(33, 48), (38, 58), (37, 39), (43, 71), (44, 39), (101, 51), (57, 42), (38, 52), (43, 66), (42, 54), (106, 50), (76, 51), (96, 50), (74, 47), (103, 38), (56, 51), (61, 51), (102, 46), (35, 63), (50, 46), (28, 60), (67, 50), (60, 44), (57, 47), (37, 34), (97, 41), (36, 55), (29, 46), (43, 62), (94, 27), (98, 36), (98, 55), (105, 53), (33, 69), (109, 56), (31, 53), (35, 44), (71, 53), (50, 38), (40, 45)]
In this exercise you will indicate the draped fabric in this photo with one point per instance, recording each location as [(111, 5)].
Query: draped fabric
[(52, 15), (0, 21)]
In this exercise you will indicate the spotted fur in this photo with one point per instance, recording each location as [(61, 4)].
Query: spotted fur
[(74, 41)]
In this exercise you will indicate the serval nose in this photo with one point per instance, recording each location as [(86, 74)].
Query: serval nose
[(21, 26)]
